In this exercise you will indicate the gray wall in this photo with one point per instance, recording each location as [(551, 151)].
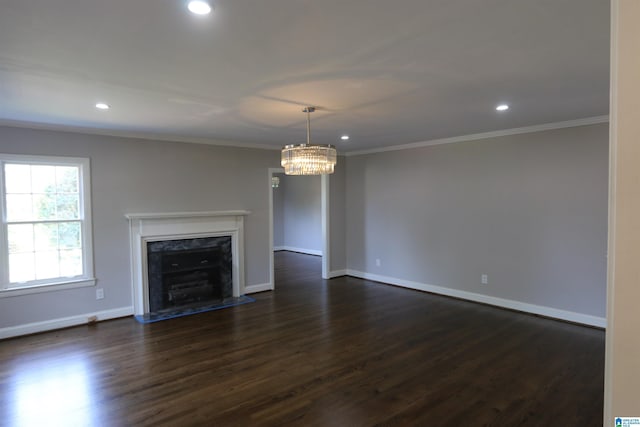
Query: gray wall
[(529, 210), (132, 175), (301, 212)]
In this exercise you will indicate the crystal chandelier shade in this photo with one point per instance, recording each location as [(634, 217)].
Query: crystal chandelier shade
[(308, 159)]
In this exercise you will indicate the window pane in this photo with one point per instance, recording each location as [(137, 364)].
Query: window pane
[(43, 179), (47, 265), (17, 178), (71, 263), (19, 207), (67, 179), (44, 206), (46, 237), (20, 238), (44, 219), (21, 267), (69, 235), (67, 206)]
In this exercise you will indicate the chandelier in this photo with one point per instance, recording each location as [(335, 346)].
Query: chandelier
[(308, 159)]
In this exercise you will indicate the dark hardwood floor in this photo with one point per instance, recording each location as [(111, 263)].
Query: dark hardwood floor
[(343, 352)]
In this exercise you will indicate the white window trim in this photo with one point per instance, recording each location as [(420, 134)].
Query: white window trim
[(87, 279)]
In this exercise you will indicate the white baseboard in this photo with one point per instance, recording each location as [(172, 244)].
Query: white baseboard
[(252, 289), (555, 313), (300, 250), (337, 273), (64, 322)]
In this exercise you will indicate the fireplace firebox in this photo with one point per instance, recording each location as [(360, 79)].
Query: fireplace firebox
[(189, 272)]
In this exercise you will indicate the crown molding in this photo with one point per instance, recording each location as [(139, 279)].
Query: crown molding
[(485, 135), (237, 144), (134, 135)]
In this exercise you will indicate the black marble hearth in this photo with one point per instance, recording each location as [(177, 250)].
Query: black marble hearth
[(186, 311)]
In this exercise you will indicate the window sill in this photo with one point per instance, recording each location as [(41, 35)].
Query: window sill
[(49, 287)]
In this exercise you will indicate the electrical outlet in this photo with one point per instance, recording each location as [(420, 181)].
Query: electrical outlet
[(99, 293), (378, 262), (484, 279)]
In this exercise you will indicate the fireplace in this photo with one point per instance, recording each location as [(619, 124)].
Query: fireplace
[(189, 272), (185, 259)]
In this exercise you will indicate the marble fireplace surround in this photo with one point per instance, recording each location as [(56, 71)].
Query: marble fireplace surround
[(153, 227)]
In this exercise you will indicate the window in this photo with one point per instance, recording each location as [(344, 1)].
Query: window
[(45, 238)]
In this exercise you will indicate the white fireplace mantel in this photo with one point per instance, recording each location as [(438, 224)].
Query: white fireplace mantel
[(153, 227)]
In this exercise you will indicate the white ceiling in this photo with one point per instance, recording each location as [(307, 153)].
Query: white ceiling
[(384, 72)]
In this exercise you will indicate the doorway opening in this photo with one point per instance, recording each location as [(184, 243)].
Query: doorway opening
[(315, 238)]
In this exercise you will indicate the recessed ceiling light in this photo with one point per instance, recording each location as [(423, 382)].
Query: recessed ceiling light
[(199, 7), (344, 137), (102, 106), (502, 107)]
